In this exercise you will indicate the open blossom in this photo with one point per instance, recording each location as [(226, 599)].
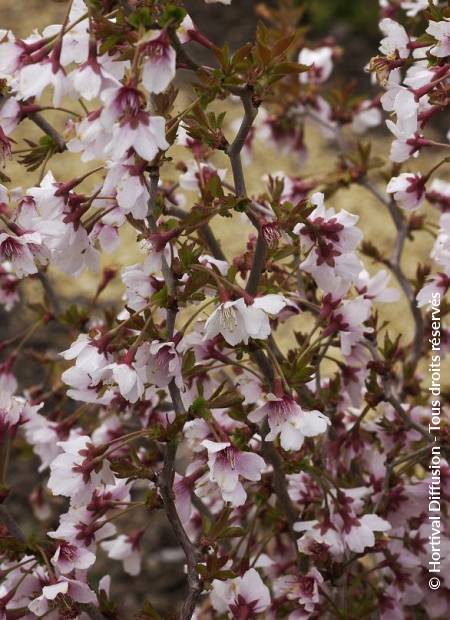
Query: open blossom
[(75, 590), (160, 60), (130, 374), (330, 239), (92, 76), (133, 127), (288, 420), (244, 597), (12, 412), (366, 116), (301, 588), (401, 101), (125, 180), (376, 287), (343, 531), (69, 557), (238, 322), (23, 251), (35, 77), (126, 549), (164, 364), (396, 40), (320, 62), (75, 473), (408, 190), (347, 319), (226, 464), (441, 32), (140, 286), (437, 285)]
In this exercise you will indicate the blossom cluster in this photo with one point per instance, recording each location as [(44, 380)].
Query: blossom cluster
[(292, 471)]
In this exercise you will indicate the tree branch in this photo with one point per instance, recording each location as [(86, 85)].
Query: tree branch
[(268, 449), (167, 474)]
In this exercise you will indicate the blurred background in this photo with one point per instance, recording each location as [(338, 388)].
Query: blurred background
[(353, 21)]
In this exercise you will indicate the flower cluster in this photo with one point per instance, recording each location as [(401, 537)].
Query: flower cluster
[(261, 401)]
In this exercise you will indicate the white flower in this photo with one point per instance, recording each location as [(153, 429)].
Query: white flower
[(408, 190), (34, 78), (376, 287), (366, 116), (69, 557), (320, 62), (160, 60), (245, 596), (288, 420), (441, 32), (125, 548), (360, 534), (438, 284), (396, 39), (75, 473), (226, 464), (405, 143), (76, 590), (237, 322), (198, 174), (23, 251)]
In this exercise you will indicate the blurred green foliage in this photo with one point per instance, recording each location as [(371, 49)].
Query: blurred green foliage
[(358, 16)]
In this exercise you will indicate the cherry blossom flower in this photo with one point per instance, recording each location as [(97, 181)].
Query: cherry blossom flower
[(64, 587), (126, 549), (302, 588), (437, 285), (160, 60), (237, 322), (68, 557), (75, 473), (376, 287), (408, 190), (244, 596), (23, 251), (131, 374), (164, 364), (366, 116), (134, 127), (320, 62), (198, 174), (11, 413), (288, 420), (440, 30), (396, 40), (35, 77), (226, 464)]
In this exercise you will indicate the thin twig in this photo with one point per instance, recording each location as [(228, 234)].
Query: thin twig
[(167, 474)]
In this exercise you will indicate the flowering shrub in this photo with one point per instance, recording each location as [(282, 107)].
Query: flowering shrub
[(295, 479)]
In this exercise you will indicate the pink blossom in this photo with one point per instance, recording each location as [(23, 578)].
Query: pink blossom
[(288, 420), (226, 464), (159, 64), (408, 190), (440, 30), (74, 590), (126, 549), (238, 322), (244, 596), (320, 62)]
